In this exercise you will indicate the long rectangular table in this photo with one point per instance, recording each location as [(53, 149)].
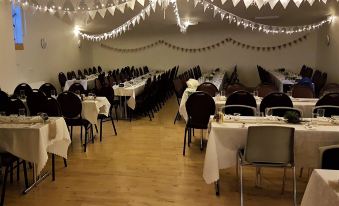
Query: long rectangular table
[(88, 83), (30, 139), (91, 108), (282, 81), (225, 139), (306, 105), (322, 189)]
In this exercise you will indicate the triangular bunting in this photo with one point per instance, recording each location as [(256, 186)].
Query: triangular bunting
[(311, 2), (325, 1), (92, 13), (148, 11), (223, 1), (121, 7), (196, 2), (75, 3), (248, 3), (284, 3), (205, 6), (215, 10), (111, 10), (259, 3), (235, 2), (153, 5), (272, 3), (102, 12), (222, 15), (297, 2), (131, 4), (142, 2)]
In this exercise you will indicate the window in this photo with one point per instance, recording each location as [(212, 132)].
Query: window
[(17, 27)]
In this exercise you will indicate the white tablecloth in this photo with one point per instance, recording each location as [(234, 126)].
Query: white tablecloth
[(322, 189), (306, 105), (32, 141), (134, 90), (280, 80), (91, 109), (225, 139), (217, 81), (88, 83)]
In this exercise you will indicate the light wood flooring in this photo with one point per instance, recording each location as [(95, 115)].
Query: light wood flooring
[(144, 166)]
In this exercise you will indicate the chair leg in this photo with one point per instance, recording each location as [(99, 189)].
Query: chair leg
[(4, 187), (294, 187), (100, 130), (65, 162), (86, 134), (301, 172), (11, 173), (241, 188), (92, 133), (115, 131), (81, 134), (18, 170), (53, 167), (189, 136), (71, 131), (184, 148), (96, 128), (284, 179), (116, 113), (25, 174), (176, 117), (217, 188), (201, 140)]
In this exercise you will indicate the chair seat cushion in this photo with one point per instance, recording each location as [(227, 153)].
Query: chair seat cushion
[(77, 122), (7, 158)]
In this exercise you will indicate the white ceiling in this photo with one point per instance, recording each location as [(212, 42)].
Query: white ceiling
[(292, 15)]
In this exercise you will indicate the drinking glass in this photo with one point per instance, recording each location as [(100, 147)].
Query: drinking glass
[(320, 112), (268, 112), (255, 93), (222, 93), (236, 116), (22, 112)]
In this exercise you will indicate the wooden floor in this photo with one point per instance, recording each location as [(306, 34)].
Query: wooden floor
[(144, 165)]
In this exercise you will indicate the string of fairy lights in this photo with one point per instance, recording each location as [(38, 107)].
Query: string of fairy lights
[(225, 16)]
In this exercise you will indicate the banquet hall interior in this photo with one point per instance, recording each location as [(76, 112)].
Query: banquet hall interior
[(169, 102)]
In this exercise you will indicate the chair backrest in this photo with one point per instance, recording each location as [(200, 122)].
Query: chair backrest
[(241, 98), (329, 88), (69, 75), (179, 87), (90, 71), (316, 76), (99, 69), (85, 72), (243, 110), (53, 108), (270, 145), (329, 157), (70, 104), (329, 110), (208, 88), (14, 105), (22, 87), (199, 107), (4, 101), (303, 71), (266, 89), (47, 88), (300, 91), (36, 102), (281, 111), (94, 70), (77, 87), (108, 92), (62, 79), (234, 87), (275, 99), (329, 99)]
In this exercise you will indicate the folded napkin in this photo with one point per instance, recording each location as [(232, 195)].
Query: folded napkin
[(192, 83)]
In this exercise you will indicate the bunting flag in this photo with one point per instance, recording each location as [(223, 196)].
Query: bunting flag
[(142, 2), (121, 7), (92, 13), (102, 12), (131, 4), (224, 42), (111, 10)]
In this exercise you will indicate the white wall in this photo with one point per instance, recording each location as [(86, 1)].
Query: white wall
[(10, 76), (62, 52), (328, 54), (226, 57)]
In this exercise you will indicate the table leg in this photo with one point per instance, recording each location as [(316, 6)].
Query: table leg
[(36, 179), (217, 188)]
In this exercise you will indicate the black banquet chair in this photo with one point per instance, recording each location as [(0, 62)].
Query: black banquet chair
[(4, 101), (108, 92), (77, 87), (15, 104), (199, 106), (329, 157), (275, 99), (53, 110), (36, 102), (71, 108), (47, 89), (208, 88), (22, 87), (62, 79), (329, 99)]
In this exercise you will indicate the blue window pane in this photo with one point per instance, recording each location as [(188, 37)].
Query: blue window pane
[(17, 24)]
